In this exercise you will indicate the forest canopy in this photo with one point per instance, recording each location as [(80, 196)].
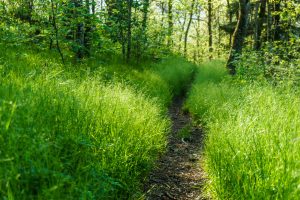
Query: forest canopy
[(138, 29)]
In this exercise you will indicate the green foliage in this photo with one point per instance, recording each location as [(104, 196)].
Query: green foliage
[(85, 28), (80, 134), (277, 63), (251, 147)]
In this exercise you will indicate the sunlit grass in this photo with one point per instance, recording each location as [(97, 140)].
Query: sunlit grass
[(78, 131), (252, 144)]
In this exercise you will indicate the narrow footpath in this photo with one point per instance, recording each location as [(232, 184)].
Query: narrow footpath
[(178, 173)]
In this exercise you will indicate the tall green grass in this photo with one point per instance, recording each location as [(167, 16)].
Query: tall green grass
[(69, 132), (163, 80), (253, 129)]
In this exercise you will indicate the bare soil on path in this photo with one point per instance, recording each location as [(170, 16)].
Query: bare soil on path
[(178, 173)]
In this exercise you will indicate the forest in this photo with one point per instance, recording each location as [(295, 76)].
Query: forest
[(149, 99)]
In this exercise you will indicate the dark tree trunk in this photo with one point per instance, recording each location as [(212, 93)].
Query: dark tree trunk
[(88, 29), (145, 15), (188, 27), (143, 41), (56, 32), (277, 27), (269, 21), (93, 7), (79, 32), (261, 19), (239, 35), (170, 22), (210, 34), (255, 22), (129, 25)]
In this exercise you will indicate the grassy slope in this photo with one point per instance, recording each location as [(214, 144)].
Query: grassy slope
[(253, 130), (72, 133)]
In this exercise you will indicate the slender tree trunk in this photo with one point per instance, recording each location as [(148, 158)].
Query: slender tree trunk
[(93, 7), (56, 32), (145, 17), (210, 34), (88, 29), (79, 33), (261, 19), (170, 22), (255, 20), (277, 27), (143, 41), (129, 7), (230, 20), (188, 27), (269, 22), (239, 35)]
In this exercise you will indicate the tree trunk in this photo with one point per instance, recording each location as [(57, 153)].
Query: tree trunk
[(88, 29), (170, 23), (56, 32), (230, 20), (210, 34), (188, 27), (79, 33), (261, 19), (239, 35), (143, 41), (145, 15), (129, 24), (277, 27), (269, 21), (93, 7)]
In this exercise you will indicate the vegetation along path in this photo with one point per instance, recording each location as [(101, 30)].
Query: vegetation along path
[(178, 174)]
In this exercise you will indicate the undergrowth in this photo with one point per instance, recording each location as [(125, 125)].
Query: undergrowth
[(253, 129), (80, 131)]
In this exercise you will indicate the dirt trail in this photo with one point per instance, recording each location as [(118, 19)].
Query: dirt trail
[(178, 174)]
